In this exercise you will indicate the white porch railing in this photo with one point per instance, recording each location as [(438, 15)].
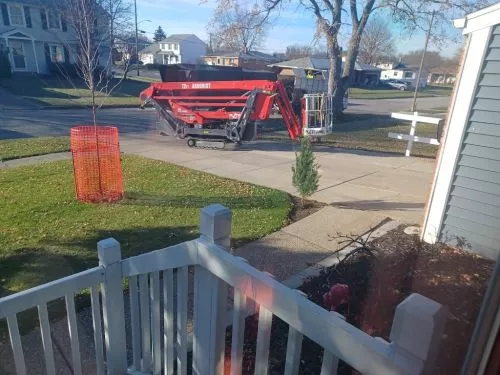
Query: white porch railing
[(158, 291), (415, 119)]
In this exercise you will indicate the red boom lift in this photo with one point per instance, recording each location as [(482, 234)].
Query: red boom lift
[(211, 113)]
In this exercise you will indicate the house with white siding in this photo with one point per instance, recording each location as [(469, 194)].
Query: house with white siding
[(175, 49), (36, 34)]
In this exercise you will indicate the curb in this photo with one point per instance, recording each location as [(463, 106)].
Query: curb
[(72, 107)]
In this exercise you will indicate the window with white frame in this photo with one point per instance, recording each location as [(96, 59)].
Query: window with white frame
[(16, 15), (53, 20), (56, 53)]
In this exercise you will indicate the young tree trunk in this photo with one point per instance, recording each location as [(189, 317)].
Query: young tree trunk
[(94, 107)]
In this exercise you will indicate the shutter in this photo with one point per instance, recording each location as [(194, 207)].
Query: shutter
[(47, 54), (64, 24), (27, 16), (5, 14), (43, 16), (66, 55)]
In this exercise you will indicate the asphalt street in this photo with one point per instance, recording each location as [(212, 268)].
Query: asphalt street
[(21, 123)]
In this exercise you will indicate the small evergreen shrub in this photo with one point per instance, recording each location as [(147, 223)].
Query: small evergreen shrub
[(305, 171)]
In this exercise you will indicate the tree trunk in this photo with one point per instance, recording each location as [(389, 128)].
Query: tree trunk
[(94, 107), (344, 80), (335, 63)]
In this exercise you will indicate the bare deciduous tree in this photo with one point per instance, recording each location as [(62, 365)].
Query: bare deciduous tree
[(125, 45), (119, 14), (376, 42), (236, 26), (332, 16), (296, 51), (432, 58), (90, 21)]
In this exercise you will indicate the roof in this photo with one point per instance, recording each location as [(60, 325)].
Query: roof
[(304, 63), (38, 35), (176, 38), (481, 19), (366, 67), (245, 55), (316, 63), (152, 48), (40, 3)]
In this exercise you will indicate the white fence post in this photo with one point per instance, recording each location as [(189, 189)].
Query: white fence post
[(412, 134), (110, 256), (210, 296), (415, 119), (416, 334)]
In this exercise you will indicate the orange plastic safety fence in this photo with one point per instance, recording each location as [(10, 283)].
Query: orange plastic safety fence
[(96, 163)]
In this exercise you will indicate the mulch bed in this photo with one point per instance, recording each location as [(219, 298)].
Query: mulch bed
[(301, 210), (401, 265)]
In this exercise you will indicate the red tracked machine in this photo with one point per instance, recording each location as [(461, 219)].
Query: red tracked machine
[(211, 106)]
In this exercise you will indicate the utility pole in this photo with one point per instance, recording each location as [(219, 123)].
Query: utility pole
[(414, 104), (136, 40)]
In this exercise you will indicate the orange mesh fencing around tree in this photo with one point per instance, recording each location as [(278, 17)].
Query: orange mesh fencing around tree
[(96, 163)]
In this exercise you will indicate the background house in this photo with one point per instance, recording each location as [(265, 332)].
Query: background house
[(36, 35), (443, 74), (317, 69), (175, 49), (253, 60), (401, 72)]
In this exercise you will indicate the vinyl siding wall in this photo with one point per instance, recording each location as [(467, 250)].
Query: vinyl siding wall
[(472, 212)]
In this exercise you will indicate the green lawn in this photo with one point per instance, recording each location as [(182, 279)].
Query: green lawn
[(24, 147), (359, 93), (46, 234), (61, 92), (364, 132)]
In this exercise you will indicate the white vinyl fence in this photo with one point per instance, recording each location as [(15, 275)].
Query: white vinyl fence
[(158, 289), (415, 119)]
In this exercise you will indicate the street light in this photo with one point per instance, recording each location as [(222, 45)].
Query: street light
[(137, 37)]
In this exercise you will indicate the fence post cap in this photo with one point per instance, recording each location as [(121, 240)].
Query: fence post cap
[(109, 251), (417, 326), (215, 224)]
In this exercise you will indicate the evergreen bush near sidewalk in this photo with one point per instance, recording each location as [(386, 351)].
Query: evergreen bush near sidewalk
[(305, 171)]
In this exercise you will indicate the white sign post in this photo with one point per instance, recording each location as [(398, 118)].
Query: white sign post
[(414, 118)]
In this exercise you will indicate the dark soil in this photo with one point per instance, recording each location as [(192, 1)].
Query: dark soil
[(401, 265), (301, 210)]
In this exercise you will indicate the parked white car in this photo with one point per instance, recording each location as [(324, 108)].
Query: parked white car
[(399, 85)]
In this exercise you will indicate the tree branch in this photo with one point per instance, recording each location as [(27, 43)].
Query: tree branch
[(354, 12)]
